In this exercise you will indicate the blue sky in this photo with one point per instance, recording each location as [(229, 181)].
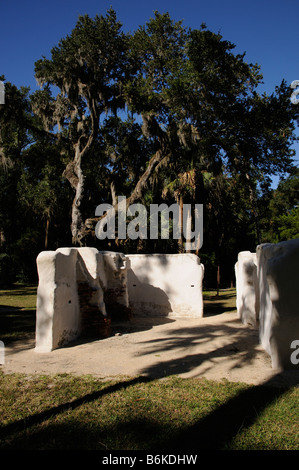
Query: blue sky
[(266, 30)]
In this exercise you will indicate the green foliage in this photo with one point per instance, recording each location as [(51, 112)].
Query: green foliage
[(288, 225), (7, 270), (165, 113), (282, 221)]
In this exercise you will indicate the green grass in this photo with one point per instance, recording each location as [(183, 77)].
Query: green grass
[(17, 312), (214, 304), (67, 412), (41, 412)]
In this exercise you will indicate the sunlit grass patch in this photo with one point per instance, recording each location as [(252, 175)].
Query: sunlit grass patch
[(69, 412)]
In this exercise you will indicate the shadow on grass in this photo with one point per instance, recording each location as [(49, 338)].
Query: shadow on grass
[(38, 418), (16, 323), (16, 291), (17, 312), (214, 431), (215, 304)]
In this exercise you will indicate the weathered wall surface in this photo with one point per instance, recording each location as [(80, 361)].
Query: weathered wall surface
[(90, 276), (279, 300), (247, 295), (115, 289), (165, 285), (57, 309), (79, 290)]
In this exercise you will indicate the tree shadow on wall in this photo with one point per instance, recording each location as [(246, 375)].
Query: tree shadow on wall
[(146, 299)]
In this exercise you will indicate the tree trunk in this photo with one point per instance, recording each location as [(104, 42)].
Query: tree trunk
[(181, 241), (47, 232), (74, 174), (136, 194), (218, 280), (77, 226), (199, 193), (138, 190), (252, 197)]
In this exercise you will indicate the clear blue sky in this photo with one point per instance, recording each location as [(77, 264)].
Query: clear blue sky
[(266, 30)]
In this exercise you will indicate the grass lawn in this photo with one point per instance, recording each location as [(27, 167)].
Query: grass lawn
[(65, 412), (17, 312)]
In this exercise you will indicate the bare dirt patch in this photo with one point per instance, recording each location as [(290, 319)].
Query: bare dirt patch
[(215, 347)]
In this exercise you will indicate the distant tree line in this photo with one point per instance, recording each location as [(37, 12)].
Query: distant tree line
[(164, 114)]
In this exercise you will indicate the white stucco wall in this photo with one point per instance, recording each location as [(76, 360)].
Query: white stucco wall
[(165, 285), (76, 287), (247, 295), (116, 292), (90, 269), (57, 309), (278, 273), (115, 268)]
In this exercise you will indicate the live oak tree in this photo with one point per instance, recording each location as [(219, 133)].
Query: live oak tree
[(200, 107), (200, 113), (88, 68), (165, 114)]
